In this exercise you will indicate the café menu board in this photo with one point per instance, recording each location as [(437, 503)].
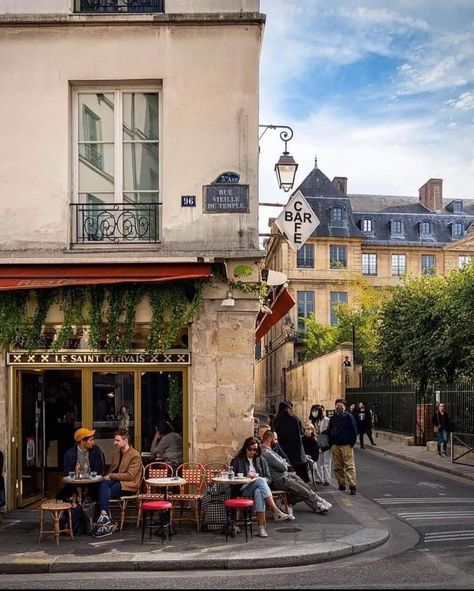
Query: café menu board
[(226, 198)]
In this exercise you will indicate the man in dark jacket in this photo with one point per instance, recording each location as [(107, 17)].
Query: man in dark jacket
[(364, 423), (342, 432), (85, 455)]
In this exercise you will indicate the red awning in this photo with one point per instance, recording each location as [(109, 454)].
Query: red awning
[(280, 306), (44, 276)]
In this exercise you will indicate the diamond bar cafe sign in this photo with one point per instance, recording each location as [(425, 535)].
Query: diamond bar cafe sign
[(297, 221)]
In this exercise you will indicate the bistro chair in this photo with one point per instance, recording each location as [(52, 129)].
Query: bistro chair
[(214, 469), (164, 509), (123, 501), (55, 509), (188, 500), (233, 507), (152, 470)]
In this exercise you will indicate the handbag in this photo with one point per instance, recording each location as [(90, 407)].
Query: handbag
[(324, 441)]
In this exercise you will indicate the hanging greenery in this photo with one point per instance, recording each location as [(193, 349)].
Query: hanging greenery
[(175, 401), (109, 312)]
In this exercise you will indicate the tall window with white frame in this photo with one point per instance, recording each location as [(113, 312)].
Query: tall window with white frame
[(305, 257), (337, 297), (399, 264), (116, 184), (464, 259), (428, 264), (337, 256), (369, 263), (305, 304)]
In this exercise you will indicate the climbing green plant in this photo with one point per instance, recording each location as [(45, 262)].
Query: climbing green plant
[(175, 401), (70, 302), (96, 301)]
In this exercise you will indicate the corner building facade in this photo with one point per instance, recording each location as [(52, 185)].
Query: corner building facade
[(129, 155)]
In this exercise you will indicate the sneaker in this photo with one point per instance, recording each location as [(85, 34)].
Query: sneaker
[(262, 532), (290, 514), (104, 519), (439, 453), (320, 508), (326, 504), (342, 487), (353, 490), (280, 516), (103, 530), (445, 454)]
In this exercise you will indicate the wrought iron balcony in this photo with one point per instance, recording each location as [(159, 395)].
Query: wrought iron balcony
[(118, 6), (115, 223)]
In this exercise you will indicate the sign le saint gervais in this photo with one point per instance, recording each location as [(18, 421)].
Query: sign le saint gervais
[(297, 221)]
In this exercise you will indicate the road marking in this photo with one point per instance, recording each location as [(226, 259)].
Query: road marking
[(436, 515), (449, 536), (422, 501), (347, 502), (431, 484)]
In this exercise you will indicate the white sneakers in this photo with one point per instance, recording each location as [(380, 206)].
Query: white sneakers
[(280, 516), (290, 513), (262, 532)]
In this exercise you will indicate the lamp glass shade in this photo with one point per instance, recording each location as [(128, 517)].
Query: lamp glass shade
[(285, 170)]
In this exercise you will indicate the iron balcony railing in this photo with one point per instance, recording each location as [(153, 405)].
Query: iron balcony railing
[(115, 223), (118, 6)]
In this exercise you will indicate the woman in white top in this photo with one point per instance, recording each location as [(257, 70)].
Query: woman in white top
[(321, 423)]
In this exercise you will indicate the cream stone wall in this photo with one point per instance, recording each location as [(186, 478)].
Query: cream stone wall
[(201, 134), (222, 377)]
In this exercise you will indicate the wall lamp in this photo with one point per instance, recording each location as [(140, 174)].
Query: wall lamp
[(286, 167)]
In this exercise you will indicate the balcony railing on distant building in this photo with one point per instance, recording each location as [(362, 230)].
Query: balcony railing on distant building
[(119, 6), (115, 223)]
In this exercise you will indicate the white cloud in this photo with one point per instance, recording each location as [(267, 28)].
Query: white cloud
[(465, 102)]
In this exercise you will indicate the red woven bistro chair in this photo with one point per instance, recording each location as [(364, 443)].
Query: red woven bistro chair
[(187, 503), (214, 469), (152, 470), (164, 524)]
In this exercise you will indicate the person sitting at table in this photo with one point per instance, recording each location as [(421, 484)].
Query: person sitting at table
[(85, 457), (122, 479), (249, 461), (167, 445), (290, 482)]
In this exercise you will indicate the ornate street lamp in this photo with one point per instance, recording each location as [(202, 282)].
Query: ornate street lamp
[(286, 167)]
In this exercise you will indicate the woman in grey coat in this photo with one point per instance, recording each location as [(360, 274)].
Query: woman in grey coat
[(167, 446)]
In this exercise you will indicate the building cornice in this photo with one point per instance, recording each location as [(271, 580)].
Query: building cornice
[(108, 20)]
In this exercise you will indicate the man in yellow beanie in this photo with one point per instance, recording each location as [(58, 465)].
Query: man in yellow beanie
[(85, 456)]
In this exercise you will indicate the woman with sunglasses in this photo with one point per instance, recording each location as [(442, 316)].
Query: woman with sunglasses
[(249, 461)]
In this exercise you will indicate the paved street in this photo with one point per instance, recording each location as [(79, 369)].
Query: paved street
[(428, 514)]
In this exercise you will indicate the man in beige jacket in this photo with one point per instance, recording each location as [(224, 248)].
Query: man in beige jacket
[(123, 478)]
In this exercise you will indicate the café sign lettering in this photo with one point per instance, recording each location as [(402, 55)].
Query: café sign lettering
[(96, 358), (297, 221)]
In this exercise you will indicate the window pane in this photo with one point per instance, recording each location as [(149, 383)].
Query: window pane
[(398, 264), (367, 226), (140, 167), (96, 167), (96, 117), (428, 264), (113, 396), (140, 116), (136, 197), (337, 297), (337, 257), (369, 264), (305, 257), (305, 304), (464, 260)]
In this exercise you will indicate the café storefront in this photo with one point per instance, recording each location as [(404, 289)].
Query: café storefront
[(53, 394)]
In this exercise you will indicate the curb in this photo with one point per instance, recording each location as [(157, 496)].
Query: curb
[(285, 555), (425, 463)]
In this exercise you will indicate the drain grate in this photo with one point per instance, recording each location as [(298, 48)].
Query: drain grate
[(289, 530)]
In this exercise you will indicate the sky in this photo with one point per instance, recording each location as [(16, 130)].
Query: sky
[(381, 92)]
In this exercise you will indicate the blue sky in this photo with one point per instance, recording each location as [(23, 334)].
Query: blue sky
[(381, 91)]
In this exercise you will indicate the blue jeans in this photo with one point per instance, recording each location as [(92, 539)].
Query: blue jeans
[(259, 490), (442, 438), (107, 490)]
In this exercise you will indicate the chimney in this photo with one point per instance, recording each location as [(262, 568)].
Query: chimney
[(341, 183), (431, 194)]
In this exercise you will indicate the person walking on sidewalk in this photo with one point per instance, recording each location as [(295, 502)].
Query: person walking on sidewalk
[(364, 424), (442, 426), (290, 432), (281, 479), (249, 461), (123, 479), (342, 432)]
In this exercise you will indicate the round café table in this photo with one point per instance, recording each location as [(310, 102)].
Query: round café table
[(82, 483), (166, 483)]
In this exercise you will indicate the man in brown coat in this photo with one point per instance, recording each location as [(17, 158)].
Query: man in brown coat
[(123, 478)]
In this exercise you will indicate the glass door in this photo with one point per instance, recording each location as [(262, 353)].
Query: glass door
[(32, 459)]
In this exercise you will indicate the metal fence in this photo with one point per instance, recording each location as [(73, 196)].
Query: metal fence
[(402, 408)]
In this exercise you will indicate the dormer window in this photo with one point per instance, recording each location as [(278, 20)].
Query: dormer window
[(366, 225), (336, 216), (396, 227), (457, 230), (426, 228), (457, 206)]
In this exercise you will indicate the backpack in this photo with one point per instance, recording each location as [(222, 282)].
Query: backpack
[(213, 509)]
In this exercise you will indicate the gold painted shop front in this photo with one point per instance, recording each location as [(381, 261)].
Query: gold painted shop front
[(53, 394)]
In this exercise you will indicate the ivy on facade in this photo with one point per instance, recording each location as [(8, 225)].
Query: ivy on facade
[(109, 311)]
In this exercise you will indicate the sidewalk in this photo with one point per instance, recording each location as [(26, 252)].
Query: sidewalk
[(347, 529)]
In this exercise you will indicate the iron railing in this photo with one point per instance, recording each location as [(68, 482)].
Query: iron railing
[(118, 6), (116, 223)]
